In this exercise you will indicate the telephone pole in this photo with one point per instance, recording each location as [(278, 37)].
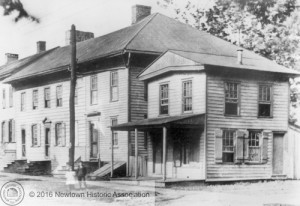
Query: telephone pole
[(72, 95)]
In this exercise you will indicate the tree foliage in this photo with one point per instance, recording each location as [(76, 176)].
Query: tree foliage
[(11, 6), (270, 28)]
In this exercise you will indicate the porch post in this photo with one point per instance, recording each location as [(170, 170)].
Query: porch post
[(164, 152), (112, 154), (136, 152)]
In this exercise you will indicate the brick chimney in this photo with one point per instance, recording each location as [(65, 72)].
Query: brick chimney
[(139, 12), (40, 46), (11, 57), (80, 36)]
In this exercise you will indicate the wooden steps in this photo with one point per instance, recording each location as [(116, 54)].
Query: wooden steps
[(105, 170)]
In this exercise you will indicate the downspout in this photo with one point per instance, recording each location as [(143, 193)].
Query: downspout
[(127, 65)]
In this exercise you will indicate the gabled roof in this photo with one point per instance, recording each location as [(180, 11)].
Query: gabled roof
[(177, 60), (155, 34)]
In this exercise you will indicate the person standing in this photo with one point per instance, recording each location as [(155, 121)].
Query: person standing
[(81, 173), (70, 179)]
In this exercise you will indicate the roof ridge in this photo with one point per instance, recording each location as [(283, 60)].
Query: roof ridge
[(149, 20)]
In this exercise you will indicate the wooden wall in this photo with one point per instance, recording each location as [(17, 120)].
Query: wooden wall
[(175, 94), (292, 153), (109, 109), (247, 120)]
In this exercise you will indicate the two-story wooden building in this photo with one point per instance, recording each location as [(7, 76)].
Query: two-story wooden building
[(199, 100), (215, 115)]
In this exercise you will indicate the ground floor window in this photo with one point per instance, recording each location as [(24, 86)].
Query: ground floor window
[(228, 149), (254, 146)]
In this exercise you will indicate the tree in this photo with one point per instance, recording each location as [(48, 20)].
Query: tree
[(270, 28), (11, 6)]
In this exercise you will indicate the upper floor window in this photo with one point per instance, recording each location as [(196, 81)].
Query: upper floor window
[(35, 99), (47, 97), (11, 96), (228, 150), (231, 98), (265, 101), (114, 86), (94, 89), (187, 96), (23, 96), (114, 121), (34, 136), (3, 99), (164, 99), (59, 96)]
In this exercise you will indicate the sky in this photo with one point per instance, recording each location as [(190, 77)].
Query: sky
[(57, 16)]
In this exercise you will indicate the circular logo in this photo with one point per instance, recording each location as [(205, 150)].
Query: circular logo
[(12, 193)]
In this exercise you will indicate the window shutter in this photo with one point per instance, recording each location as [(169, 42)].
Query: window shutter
[(13, 130), (239, 145), (76, 134), (55, 130), (246, 146), (218, 145), (63, 143), (38, 135), (6, 137), (266, 135)]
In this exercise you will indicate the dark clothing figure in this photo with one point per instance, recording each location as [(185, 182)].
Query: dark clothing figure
[(81, 173)]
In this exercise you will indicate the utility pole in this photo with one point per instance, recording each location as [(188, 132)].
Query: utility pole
[(72, 95)]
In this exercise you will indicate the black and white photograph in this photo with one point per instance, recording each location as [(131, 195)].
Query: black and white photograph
[(150, 102)]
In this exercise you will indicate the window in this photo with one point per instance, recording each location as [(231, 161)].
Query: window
[(114, 121), (11, 96), (47, 97), (114, 86), (59, 96), (3, 99), (228, 150), (187, 96), (265, 101), (23, 101), (35, 99), (254, 146), (3, 129), (60, 134), (231, 98), (11, 132), (34, 136), (164, 99), (76, 96), (94, 89)]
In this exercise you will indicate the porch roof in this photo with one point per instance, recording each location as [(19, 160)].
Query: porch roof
[(182, 121)]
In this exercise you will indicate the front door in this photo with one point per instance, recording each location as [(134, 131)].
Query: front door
[(93, 139), (277, 154), (47, 142), (157, 153), (23, 136)]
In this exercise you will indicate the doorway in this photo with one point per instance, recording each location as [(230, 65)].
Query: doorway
[(47, 142), (93, 131), (23, 136), (157, 152), (278, 154)]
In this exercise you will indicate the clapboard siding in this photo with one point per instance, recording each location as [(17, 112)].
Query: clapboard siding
[(109, 109), (247, 120), (175, 93), (138, 108), (25, 119)]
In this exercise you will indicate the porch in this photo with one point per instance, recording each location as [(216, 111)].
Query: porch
[(175, 147)]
